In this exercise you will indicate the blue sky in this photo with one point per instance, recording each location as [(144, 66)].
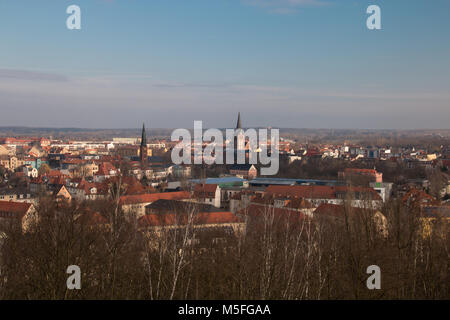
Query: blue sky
[(285, 63)]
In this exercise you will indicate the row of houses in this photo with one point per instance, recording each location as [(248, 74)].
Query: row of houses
[(158, 212)]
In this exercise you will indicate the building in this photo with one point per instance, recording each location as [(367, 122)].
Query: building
[(246, 171), (5, 151), (163, 206), (416, 198), (207, 228), (30, 171), (384, 189), (366, 217), (17, 214), (239, 139), (372, 174), (356, 196), (127, 150), (89, 169), (17, 195), (11, 162), (181, 171), (105, 171), (135, 204), (207, 193), (63, 194)]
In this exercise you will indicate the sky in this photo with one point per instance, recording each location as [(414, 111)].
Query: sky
[(281, 63)]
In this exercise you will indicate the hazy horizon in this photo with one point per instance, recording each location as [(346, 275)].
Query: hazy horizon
[(149, 128)]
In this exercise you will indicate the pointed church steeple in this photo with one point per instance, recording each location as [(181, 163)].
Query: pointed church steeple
[(238, 125), (239, 139), (144, 136), (143, 149)]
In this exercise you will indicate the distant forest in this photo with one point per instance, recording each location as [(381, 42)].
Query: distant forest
[(311, 136)]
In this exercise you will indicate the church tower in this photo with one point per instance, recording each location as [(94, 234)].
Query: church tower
[(238, 124), (239, 141), (143, 149), (239, 138)]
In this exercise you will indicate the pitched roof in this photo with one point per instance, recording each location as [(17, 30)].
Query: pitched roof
[(203, 187), (309, 192), (152, 220), (105, 168), (17, 208), (321, 192), (202, 190), (418, 197), (151, 197), (170, 206)]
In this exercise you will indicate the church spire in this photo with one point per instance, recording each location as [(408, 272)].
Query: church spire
[(238, 125), (143, 149), (144, 136)]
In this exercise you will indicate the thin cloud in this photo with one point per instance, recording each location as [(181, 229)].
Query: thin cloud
[(284, 6), (31, 75)]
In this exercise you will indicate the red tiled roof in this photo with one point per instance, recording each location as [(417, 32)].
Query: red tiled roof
[(417, 197), (58, 180), (205, 187), (151, 197), (18, 208), (37, 180), (205, 190), (151, 220), (318, 192), (54, 173), (309, 192), (105, 168)]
